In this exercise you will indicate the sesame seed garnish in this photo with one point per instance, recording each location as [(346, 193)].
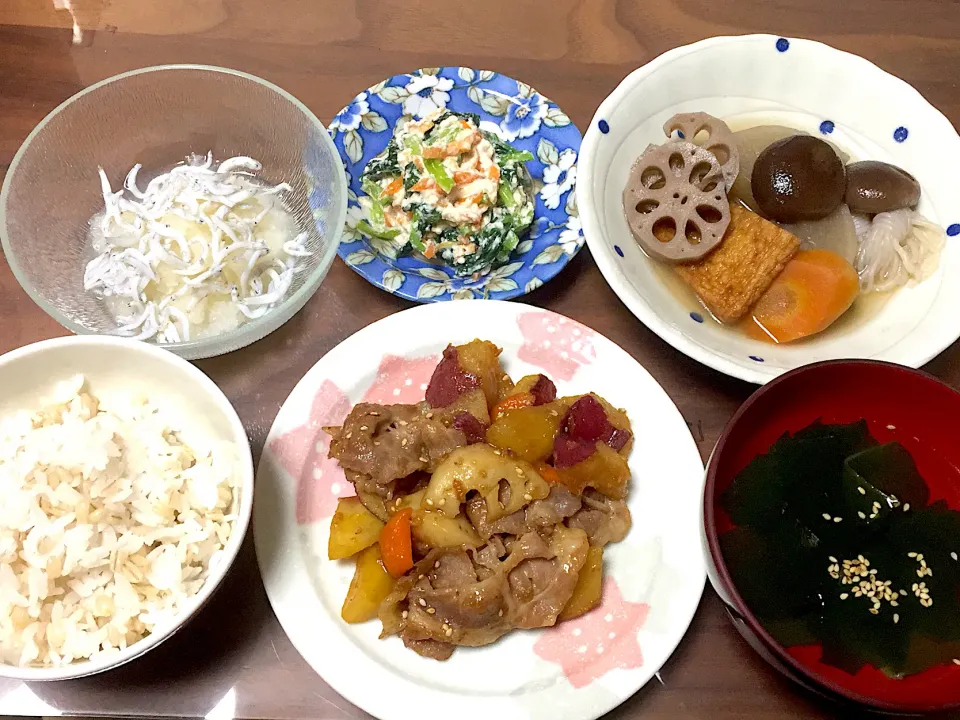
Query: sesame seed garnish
[(826, 516), (528, 497), (956, 661), (364, 427), (403, 443), (953, 555), (896, 618), (376, 442), (402, 423), (861, 490), (844, 596), (441, 502), (500, 613), (520, 472), (862, 514), (891, 427), (838, 519), (429, 502), (554, 413), (449, 632), (423, 603), (496, 452), (436, 564), (832, 559), (431, 611), (404, 614), (874, 611), (906, 507), (430, 416), (349, 435), (375, 414), (423, 459)]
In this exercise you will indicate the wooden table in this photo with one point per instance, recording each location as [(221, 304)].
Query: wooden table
[(234, 660)]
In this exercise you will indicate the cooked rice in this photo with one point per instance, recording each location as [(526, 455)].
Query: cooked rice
[(109, 523)]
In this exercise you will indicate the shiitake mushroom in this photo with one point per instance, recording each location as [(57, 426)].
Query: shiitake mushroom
[(876, 187), (798, 178)]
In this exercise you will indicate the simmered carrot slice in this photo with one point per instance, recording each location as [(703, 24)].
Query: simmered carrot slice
[(815, 288)]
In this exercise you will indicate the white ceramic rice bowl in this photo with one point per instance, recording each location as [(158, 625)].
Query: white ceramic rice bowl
[(763, 79), (112, 366)]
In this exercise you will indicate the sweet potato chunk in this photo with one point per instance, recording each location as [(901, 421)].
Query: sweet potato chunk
[(481, 359), (526, 432), (473, 402), (605, 470), (732, 278), (589, 590), (371, 583), (352, 529)]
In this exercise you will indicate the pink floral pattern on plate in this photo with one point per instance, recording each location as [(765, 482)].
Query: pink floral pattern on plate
[(604, 639), (555, 344), (401, 380), (302, 452)]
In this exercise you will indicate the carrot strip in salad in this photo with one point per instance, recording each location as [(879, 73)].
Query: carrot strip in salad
[(393, 188)]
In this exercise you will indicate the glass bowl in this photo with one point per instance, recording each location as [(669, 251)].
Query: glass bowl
[(157, 116)]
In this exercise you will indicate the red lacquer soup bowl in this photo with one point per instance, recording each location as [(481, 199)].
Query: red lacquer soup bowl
[(899, 404)]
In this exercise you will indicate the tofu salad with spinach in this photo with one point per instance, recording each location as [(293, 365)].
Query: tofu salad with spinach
[(449, 191)]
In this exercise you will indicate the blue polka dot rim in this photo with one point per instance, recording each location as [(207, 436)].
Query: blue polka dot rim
[(604, 126), (827, 127), (783, 44), (900, 134)]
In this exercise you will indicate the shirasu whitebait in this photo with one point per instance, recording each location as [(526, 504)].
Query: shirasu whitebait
[(225, 205)]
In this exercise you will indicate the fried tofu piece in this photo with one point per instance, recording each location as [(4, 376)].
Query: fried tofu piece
[(732, 278)]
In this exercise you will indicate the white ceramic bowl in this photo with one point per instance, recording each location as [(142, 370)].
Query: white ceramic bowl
[(763, 79), (112, 366)]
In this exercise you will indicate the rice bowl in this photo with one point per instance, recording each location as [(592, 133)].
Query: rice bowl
[(125, 493)]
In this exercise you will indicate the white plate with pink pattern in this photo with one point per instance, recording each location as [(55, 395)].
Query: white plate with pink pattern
[(577, 670)]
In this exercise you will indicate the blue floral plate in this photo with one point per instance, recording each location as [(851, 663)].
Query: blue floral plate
[(517, 113)]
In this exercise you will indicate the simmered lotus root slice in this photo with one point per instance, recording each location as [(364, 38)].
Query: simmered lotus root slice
[(718, 139), (675, 202)]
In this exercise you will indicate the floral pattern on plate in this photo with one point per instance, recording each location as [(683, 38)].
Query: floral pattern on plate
[(521, 116)]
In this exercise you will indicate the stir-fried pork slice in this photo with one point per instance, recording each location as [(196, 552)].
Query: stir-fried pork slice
[(551, 510), (472, 597), (603, 519), (380, 444)]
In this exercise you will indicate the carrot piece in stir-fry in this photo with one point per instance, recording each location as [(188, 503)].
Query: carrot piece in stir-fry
[(514, 402), (396, 543)]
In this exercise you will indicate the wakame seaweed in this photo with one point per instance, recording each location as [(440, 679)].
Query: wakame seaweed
[(836, 543)]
